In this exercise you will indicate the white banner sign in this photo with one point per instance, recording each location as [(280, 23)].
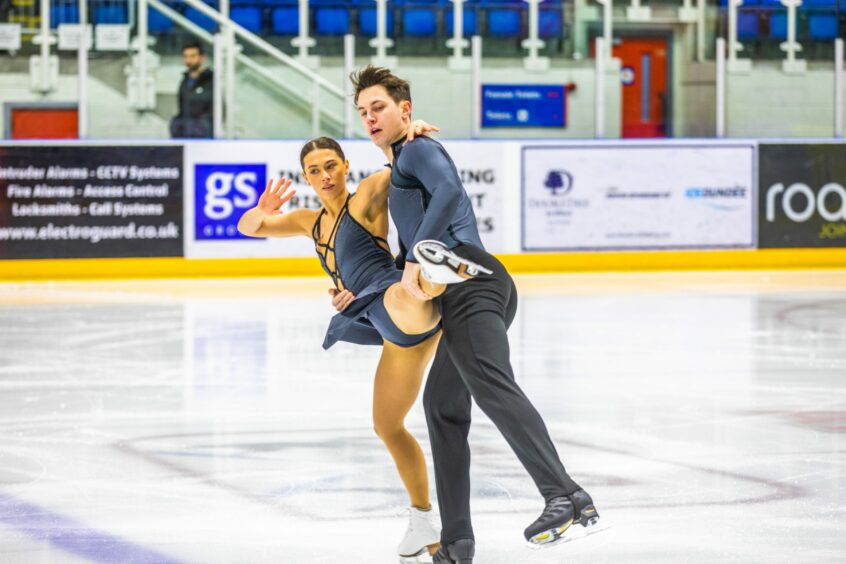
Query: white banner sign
[(69, 36), (223, 179), (10, 36), (112, 37), (637, 197)]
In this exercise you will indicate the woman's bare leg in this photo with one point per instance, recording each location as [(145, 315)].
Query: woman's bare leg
[(397, 384), (410, 315)]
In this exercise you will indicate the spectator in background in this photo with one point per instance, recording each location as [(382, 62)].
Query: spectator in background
[(196, 95), (5, 10)]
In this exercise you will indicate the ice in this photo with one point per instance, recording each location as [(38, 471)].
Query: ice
[(201, 421)]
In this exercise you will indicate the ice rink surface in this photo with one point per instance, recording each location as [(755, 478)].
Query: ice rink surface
[(200, 421)]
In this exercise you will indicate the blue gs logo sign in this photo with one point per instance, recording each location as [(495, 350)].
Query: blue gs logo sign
[(558, 182), (222, 193)]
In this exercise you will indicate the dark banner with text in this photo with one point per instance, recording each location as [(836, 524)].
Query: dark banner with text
[(802, 200), (90, 202)]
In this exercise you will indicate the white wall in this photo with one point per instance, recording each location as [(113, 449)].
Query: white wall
[(769, 103), (439, 95), (109, 114)]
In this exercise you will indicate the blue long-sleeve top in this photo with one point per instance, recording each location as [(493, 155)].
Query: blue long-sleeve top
[(426, 198)]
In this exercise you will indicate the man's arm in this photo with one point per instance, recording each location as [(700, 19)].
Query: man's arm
[(375, 187), (429, 163), (180, 103)]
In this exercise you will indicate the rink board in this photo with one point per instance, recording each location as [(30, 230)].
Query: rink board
[(516, 263), (542, 206)]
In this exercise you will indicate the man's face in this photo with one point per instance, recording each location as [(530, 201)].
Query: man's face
[(193, 59), (384, 120)]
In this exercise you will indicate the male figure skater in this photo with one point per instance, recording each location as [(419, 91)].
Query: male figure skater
[(438, 232)]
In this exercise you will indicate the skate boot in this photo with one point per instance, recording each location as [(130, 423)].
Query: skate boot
[(549, 528), (586, 514), (442, 266), (422, 533), (458, 552)]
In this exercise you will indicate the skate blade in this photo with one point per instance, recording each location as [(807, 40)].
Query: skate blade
[(445, 267), (421, 557), (469, 269), (575, 532), (550, 536)]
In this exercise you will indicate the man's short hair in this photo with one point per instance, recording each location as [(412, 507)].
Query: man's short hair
[(194, 45), (397, 88)]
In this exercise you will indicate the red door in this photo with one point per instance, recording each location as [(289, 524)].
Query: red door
[(44, 123), (645, 93)]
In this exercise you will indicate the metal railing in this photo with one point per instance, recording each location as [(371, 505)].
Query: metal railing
[(226, 50)]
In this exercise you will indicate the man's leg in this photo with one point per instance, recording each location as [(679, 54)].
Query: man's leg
[(447, 404), (475, 317)]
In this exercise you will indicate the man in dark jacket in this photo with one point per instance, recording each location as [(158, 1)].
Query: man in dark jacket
[(196, 96)]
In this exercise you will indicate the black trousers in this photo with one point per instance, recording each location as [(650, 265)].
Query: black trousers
[(472, 360)]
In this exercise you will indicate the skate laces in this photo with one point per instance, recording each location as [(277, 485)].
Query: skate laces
[(406, 512)]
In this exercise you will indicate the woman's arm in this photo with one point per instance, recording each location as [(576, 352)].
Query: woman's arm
[(373, 194), (267, 218)]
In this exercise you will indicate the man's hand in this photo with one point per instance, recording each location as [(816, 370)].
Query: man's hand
[(341, 299), (411, 281)]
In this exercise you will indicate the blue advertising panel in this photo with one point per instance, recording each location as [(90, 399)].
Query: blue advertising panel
[(223, 192), (523, 105)]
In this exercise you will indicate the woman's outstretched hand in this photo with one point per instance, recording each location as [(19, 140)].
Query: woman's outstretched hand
[(275, 196)]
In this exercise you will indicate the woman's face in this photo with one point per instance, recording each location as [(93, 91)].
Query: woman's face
[(326, 172)]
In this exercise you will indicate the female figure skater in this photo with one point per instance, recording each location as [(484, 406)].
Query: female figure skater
[(349, 232)]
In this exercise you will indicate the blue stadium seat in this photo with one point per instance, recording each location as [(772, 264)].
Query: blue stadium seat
[(830, 4), (200, 19), (778, 26), (158, 22), (823, 27), (549, 23), (412, 4), (332, 21), (111, 14), (367, 21), (504, 23), (419, 22), (748, 26), (285, 21), (468, 22), (248, 17), (64, 13)]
